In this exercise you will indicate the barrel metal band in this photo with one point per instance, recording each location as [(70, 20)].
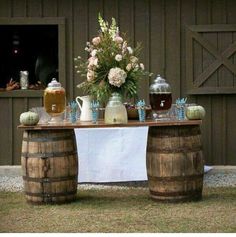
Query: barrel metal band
[(49, 179), (47, 195), (158, 132), (48, 155), (47, 139), (177, 150), (180, 193), (174, 135), (176, 178)]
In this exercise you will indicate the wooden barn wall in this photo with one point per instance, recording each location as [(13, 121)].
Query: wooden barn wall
[(161, 27)]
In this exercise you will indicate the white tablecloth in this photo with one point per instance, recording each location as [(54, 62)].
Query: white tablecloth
[(111, 154)]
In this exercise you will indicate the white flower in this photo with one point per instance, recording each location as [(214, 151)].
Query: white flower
[(96, 41), (133, 60), (141, 66), (117, 76), (129, 67), (93, 53), (95, 62), (90, 75), (136, 67), (124, 47), (118, 57), (118, 40), (130, 50)]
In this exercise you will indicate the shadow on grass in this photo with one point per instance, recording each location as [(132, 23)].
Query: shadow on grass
[(106, 197), (105, 200), (93, 198)]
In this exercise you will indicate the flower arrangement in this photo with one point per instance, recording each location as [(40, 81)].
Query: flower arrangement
[(112, 66)]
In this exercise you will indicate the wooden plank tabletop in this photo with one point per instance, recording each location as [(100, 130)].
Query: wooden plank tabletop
[(101, 124)]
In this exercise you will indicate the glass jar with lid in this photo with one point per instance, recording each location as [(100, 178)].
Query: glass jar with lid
[(55, 100), (160, 97), (115, 111)]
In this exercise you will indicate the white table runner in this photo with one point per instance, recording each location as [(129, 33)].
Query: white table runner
[(111, 154)]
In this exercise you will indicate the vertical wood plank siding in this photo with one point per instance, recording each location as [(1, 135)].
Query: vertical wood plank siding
[(161, 27)]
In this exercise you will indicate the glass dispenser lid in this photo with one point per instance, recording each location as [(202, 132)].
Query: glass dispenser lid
[(54, 83), (160, 85)]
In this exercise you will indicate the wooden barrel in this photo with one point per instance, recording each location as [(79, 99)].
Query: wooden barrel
[(175, 164), (50, 166)]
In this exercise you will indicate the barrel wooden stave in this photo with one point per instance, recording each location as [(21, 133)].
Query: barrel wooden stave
[(175, 163), (50, 166)]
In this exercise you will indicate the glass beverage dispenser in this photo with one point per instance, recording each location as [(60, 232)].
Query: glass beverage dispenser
[(160, 98), (55, 101)]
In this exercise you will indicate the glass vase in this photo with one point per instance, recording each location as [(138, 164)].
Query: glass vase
[(115, 111)]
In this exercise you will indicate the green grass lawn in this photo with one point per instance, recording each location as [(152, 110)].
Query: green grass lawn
[(119, 211)]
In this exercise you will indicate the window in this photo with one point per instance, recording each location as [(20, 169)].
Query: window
[(35, 45)]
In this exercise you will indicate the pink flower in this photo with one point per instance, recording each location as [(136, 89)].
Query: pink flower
[(93, 62), (118, 39), (96, 40)]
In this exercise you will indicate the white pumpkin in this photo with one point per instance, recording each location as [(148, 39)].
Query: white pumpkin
[(195, 112), (29, 118)]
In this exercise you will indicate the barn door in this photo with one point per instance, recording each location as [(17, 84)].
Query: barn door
[(211, 59)]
